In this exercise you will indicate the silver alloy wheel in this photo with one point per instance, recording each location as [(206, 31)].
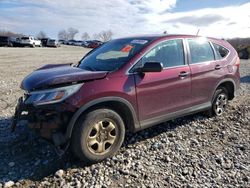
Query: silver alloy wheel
[(101, 137), (220, 104)]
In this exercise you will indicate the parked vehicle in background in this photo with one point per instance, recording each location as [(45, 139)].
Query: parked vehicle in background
[(128, 84), (7, 41), (243, 51), (61, 41), (242, 46), (30, 41), (91, 43), (44, 41), (86, 43), (53, 43), (78, 43), (18, 42), (94, 44), (70, 42)]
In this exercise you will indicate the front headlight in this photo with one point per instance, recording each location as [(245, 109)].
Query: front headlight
[(50, 96)]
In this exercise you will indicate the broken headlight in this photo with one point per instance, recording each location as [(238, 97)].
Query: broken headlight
[(50, 96)]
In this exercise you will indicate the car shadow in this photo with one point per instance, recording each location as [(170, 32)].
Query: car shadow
[(26, 156), (245, 79)]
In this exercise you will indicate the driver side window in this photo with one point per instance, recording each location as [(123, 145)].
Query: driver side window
[(169, 53)]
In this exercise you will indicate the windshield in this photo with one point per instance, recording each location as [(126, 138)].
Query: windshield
[(112, 55)]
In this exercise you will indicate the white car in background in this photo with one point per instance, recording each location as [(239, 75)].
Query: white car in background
[(30, 41)]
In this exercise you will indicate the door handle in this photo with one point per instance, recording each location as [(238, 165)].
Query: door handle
[(184, 74), (217, 67)]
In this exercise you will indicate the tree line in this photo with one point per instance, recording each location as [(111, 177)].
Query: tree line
[(10, 34), (68, 34), (104, 36), (236, 42)]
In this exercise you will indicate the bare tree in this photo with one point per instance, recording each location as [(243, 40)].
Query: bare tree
[(67, 35), (62, 35), (85, 36), (96, 36), (236, 42), (104, 35), (41, 35), (10, 34), (72, 32)]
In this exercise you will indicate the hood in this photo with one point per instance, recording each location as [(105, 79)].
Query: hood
[(52, 75)]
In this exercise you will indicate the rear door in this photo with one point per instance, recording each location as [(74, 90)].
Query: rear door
[(168, 91), (203, 70)]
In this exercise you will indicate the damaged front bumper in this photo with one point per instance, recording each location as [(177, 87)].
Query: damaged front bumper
[(18, 112), (49, 121)]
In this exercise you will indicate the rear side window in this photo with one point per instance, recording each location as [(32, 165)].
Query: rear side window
[(200, 51), (169, 53), (220, 51)]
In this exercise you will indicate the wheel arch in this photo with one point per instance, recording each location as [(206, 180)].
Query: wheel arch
[(230, 85), (123, 107)]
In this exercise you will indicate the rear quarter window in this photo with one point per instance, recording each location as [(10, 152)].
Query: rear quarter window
[(220, 51)]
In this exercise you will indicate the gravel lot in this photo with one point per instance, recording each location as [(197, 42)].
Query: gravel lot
[(193, 151)]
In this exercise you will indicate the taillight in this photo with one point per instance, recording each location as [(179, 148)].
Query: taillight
[(237, 62)]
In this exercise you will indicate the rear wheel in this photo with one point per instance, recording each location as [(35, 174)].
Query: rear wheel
[(98, 135), (219, 103)]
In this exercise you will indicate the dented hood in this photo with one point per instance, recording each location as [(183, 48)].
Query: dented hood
[(60, 74)]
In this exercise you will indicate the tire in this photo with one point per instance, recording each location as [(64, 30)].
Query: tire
[(90, 142), (219, 103)]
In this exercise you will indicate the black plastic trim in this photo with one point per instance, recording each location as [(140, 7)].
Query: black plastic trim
[(227, 80), (160, 119)]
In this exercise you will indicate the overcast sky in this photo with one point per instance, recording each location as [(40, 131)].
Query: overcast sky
[(216, 18)]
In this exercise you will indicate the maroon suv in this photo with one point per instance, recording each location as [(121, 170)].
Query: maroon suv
[(128, 84)]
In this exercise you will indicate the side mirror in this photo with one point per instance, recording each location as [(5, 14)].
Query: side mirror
[(151, 67)]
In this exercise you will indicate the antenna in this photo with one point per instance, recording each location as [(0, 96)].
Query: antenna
[(198, 32)]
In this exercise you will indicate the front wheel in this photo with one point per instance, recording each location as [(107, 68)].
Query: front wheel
[(98, 135), (219, 103)]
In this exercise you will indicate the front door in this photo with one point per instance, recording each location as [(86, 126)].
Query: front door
[(168, 91)]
